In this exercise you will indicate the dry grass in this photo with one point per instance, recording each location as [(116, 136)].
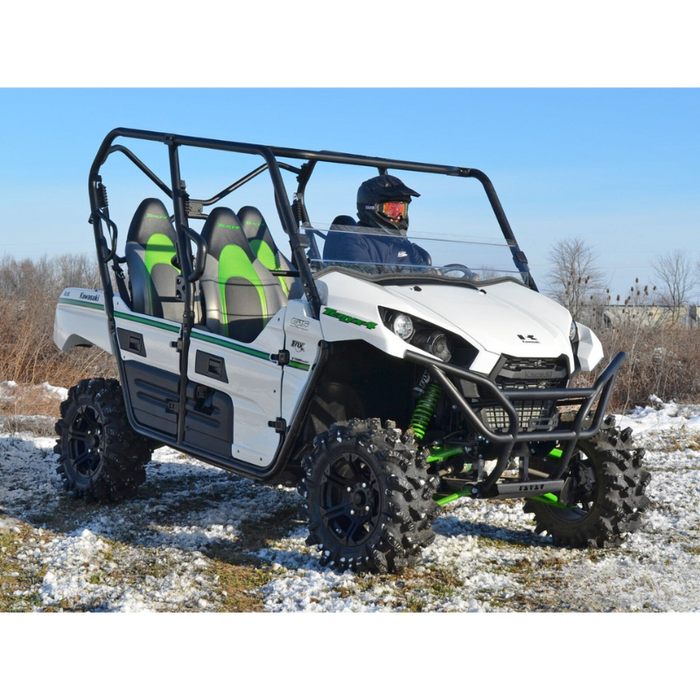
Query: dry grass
[(28, 293), (662, 361)]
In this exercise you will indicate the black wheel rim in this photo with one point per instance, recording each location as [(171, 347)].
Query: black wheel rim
[(350, 499), (85, 442)]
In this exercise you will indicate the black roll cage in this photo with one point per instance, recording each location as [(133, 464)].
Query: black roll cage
[(291, 214)]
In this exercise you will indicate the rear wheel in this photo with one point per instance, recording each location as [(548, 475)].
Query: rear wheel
[(369, 497), (99, 456), (603, 497)]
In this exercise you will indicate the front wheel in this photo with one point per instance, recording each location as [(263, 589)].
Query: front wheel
[(369, 498), (603, 497)]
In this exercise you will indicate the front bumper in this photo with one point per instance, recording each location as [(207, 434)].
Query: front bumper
[(592, 405)]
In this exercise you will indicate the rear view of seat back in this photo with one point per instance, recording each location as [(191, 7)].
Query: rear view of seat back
[(150, 250), (263, 245), (240, 294), (340, 226)]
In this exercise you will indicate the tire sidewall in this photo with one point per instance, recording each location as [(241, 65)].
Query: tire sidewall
[(405, 507), (82, 401), (122, 453), (334, 452)]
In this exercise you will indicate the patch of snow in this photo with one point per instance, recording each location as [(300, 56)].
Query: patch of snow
[(60, 392), (155, 551)]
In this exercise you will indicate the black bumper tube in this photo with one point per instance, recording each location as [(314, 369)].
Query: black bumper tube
[(587, 397)]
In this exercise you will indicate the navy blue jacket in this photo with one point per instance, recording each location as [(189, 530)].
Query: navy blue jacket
[(387, 250)]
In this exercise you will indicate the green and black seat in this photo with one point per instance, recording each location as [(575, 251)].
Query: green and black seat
[(263, 245), (150, 257), (240, 295)]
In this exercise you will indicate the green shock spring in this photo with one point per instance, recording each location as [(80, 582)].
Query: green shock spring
[(424, 410)]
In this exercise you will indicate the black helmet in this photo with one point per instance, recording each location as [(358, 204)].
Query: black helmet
[(374, 193)]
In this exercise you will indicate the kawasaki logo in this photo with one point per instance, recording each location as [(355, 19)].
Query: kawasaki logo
[(528, 338), (349, 319), (90, 297)]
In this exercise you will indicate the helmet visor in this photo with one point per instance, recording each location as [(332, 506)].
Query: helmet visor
[(394, 210)]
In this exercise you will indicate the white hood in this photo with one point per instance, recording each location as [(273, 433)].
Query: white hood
[(505, 318)]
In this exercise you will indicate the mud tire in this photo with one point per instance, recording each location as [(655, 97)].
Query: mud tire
[(100, 457), (606, 500), (369, 497)]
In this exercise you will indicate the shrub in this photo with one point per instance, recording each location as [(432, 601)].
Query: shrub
[(28, 293)]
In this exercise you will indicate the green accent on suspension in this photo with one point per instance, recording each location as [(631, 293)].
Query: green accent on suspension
[(549, 499), (234, 262), (439, 453), (264, 254), (425, 408), (453, 497)]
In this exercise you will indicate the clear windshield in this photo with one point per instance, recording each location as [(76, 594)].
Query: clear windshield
[(373, 252)]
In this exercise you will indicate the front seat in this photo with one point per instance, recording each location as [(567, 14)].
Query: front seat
[(240, 295), (150, 256)]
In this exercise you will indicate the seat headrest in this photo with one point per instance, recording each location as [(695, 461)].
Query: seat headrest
[(151, 217), (223, 228)]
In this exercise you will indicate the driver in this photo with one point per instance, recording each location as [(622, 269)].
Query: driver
[(382, 204)]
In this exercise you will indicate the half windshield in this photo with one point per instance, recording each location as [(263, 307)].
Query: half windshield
[(376, 253)]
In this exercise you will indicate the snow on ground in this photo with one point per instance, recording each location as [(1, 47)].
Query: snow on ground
[(159, 551)]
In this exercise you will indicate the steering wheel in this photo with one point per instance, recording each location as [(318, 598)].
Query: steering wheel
[(458, 271)]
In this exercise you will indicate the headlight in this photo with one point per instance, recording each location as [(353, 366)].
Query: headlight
[(402, 325), (436, 343), (573, 332), (426, 337)]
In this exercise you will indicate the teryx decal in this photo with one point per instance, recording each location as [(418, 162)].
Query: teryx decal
[(370, 325)]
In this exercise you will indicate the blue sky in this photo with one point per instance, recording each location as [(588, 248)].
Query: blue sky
[(617, 167)]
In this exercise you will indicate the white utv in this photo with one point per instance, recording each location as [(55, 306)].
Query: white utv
[(382, 391)]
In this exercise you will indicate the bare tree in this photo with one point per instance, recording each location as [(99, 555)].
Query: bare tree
[(676, 280), (575, 279)]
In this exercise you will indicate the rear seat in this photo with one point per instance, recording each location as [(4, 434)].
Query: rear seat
[(240, 295), (150, 256)]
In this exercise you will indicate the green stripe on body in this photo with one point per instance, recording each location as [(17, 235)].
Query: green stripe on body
[(80, 302), (148, 321), (222, 342)]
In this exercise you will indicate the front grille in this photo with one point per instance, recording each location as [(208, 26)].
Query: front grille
[(527, 373), (532, 415)]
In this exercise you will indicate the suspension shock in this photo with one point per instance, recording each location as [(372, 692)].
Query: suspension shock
[(425, 408)]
